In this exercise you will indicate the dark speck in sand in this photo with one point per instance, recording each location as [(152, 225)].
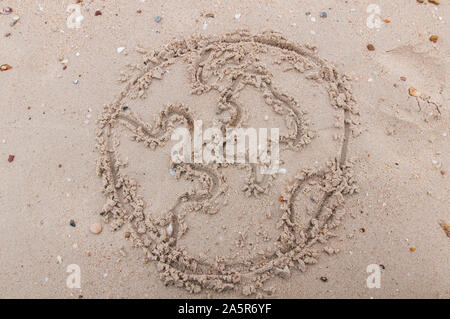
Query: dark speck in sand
[(72, 223)]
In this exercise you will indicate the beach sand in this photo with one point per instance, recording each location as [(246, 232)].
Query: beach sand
[(358, 89)]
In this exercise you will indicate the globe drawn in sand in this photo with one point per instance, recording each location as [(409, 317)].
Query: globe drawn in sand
[(228, 68)]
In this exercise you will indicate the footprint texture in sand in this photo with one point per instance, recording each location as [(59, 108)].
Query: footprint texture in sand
[(222, 226)]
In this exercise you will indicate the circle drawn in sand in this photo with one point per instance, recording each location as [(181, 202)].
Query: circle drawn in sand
[(227, 65)]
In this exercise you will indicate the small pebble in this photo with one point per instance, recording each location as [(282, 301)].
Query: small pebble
[(312, 198), (403, 78), (7, 10), (414, 92), (124, 107), (72, 223), (412, 249), (5, 67), (443, 172), (11, 158), (96, 228), (98, 13), (14, 21), (237, 16), (158, 19), (120, 49), (323, 14), (172, 172), (282, 170), (324, 279), (436, 2), (75, 81), (266, 117), (370, 47), (434, 38), (127, 234)]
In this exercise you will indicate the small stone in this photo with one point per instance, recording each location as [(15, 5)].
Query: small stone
[(158, 19), (403, 78), (412, 249), (324, 279), (127, 234), (434, 38), (124, 107), (98, 13), (210, 15), (443, 172), (58, 259), (266, 117), (5, 67), (370, 47), (420, 1), (282, 170), (436, 2), (96, 228), (120, 49), (72, 223), (312, 198), (172, 172), (237, 16), (362, 230), (323, 14), (414, 92), (11, 158), (75, 81), (14, 21), (307, 13), (445, 227), (7, 10)]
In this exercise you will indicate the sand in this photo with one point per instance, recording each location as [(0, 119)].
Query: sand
[(362, 106)]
